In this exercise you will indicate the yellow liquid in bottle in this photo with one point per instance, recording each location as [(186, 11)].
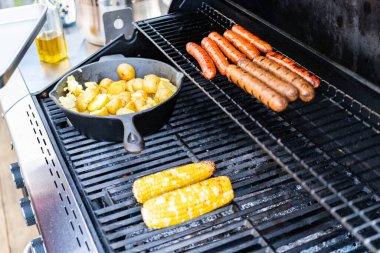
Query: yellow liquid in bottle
[(51, 47)]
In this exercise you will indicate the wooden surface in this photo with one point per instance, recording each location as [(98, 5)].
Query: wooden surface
[(14, 234)]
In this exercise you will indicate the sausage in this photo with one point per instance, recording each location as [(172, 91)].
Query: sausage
[(263, 46), (242, 44), (203, 59), (286, 62), (283, 88), (228, 50), (215, 54), (305, 90), (255, 87)]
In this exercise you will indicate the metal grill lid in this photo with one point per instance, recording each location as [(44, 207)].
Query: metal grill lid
[(19, 25)]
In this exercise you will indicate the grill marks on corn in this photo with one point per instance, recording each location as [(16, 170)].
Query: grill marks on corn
[(187, 203), (156, 184)]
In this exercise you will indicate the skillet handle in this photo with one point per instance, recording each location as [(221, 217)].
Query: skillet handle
[(133, 141)]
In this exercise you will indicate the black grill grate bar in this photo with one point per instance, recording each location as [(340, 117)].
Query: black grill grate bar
[(168, 149), (242, 245), (164, 158), (174, 51), (77, 146), (141, 233), (162, 164), (97, 155), (205, 236)]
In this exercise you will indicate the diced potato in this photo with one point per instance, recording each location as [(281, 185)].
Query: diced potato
[(139, 94), (103, 90), (139, 97), (131, 106), (101, 112), (139, 103), (85, 98), (69, 101), (129, 85), (123, 111), (151, 83), (164, 91), (105, 83), (99, 102), (144, 107), (116, 87), (125, 97), (73, 86), (164, 80), (74, 109), (114, 105), (151, 102), (126, 71), (138, 84), (91, 85)]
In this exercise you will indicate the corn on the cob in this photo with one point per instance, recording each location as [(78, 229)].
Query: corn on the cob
[(187, 203), (156, 184)]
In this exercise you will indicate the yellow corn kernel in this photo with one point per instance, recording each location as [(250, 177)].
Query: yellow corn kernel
[(156, 184), (187, 203)]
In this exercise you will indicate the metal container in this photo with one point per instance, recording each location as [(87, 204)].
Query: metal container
[(90, 15)]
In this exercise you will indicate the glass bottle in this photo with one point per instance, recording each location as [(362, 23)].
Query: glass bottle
[(50, 42)]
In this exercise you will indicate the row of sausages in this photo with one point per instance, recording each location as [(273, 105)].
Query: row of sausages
[(274, 79)]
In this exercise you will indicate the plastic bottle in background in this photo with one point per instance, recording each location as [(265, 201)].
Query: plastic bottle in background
[(50, 42)]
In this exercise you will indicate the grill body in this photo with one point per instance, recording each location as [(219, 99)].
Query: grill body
[(305, 179)]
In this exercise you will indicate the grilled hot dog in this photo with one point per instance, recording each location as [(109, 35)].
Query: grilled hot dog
[(203, 59), (286, 62), (283, 88), (215, 54), (305, 90), (242, 44), (228, 50), (263, 46), (255, 87)]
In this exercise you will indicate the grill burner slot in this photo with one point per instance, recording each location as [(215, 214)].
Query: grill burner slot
[(331, 145), (271, 212)]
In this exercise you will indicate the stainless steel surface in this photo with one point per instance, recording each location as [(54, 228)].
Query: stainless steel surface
[(13, 91), (118, 22), (18, 28), (143, 9), (90, 15), (58, 216), (39, 75)]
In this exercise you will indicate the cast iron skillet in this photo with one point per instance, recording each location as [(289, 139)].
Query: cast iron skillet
[(128, 128)]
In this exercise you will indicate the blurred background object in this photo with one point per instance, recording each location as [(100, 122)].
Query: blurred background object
[(67, 12), (90, 14)]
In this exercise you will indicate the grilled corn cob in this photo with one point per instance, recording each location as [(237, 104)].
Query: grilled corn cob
[(156, 184), (187, 203)]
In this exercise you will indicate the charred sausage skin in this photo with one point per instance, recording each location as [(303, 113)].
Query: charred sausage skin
[(291, 65), (228, 50), (284, 88), (216, 55), (261, 45), (255, 87), (203, 59)]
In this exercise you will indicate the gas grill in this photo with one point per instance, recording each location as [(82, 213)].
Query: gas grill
[(305, 180)]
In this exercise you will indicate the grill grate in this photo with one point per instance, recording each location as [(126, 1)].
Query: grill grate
[(270, 212), (331, 145)]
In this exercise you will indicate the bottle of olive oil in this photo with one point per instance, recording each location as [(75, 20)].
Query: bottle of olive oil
[(50, 42)]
